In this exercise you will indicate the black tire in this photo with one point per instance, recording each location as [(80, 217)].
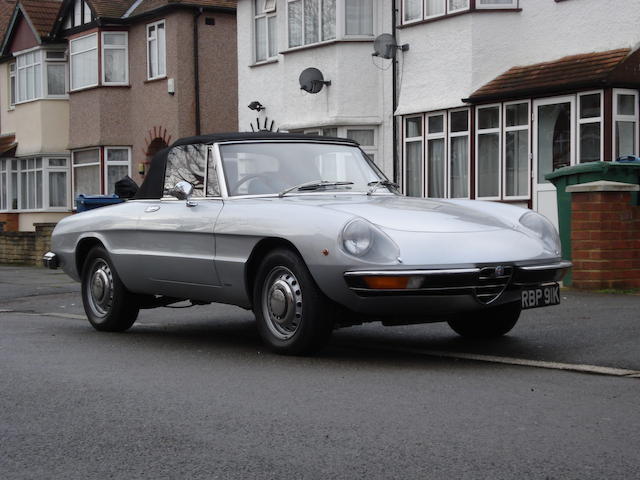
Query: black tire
[(109, 306), (489, 323), (294, 317)]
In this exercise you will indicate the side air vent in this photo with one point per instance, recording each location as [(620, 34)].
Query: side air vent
[(492, 282)]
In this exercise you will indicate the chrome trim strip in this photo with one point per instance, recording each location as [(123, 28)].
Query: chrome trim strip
[(395, 273), (554, 266)]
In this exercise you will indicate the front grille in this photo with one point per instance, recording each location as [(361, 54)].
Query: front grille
[(492, 281)]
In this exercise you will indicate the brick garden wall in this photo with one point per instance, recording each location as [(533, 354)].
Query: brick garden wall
[(25, 248), (605, 240)]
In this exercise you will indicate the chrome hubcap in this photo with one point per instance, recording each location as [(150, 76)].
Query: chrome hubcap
[(100, 291), (282, 302)]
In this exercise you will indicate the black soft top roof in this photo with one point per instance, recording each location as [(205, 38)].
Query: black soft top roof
[(239, 136), (153, 184)]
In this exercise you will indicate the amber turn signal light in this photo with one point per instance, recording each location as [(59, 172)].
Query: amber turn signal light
[(384, 282)]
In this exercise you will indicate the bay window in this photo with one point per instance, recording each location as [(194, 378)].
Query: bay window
[(314, 21), (436, 155), (38, 74), (416, 10), (84, 61), (12, 85), (457, 5), (496, 3), (156, 50), (516, 150), (590, 127), (34, 183), (488, 121), (265, 30), (413, 148), (115, 58), (625, 122), (459, 153)]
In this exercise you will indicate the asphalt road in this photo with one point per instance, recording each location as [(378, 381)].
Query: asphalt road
[(191, 393)]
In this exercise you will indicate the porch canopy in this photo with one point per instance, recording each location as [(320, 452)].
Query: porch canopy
[(613, 68)]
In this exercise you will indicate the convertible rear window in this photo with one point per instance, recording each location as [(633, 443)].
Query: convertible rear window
[(188, 163)]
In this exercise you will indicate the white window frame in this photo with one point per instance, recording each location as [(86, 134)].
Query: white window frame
[(73, 170), (445, 4), (45, 73), (13, 85), (38, 79), (582, 121), (5, 184), (157, 52), (56, 169), (420, 17), (73, 88), (341, 22), (405, 141), (624, 118), (488, 131), (107, 164), (124, 47), (436, 136), (496, 6), (25, 171), (503, 164), (451, 135), (266, 14), (339, 7)]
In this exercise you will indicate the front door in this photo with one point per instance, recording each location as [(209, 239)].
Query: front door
[(553, 148)]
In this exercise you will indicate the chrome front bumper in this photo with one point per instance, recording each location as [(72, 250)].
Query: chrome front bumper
[(50, 260), (486, 283)]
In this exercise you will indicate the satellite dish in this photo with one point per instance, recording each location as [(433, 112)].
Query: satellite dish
[(385, 46), (312, 81)]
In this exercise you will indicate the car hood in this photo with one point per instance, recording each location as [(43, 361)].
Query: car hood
[(412, 214)]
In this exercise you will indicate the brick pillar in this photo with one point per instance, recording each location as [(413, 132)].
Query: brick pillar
[(10, 221), (605, 236), (43, 240)]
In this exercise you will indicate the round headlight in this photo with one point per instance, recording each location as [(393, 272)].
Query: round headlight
[(543, 229), (357, 237)]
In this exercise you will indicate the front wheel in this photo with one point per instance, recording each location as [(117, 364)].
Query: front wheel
[(109, 306), (489, 323), (293, 315)]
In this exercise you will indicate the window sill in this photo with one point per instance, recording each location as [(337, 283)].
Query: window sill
[(457, 14), (157, 79), (326, 43), (95, 87), (271, 61)]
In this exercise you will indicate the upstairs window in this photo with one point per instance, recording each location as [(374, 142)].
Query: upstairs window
[(496, 4), (79, 14), (12, 85), (156, 50), (29, 76), (115, 58), (416, 10), (265, 31), (84, 61), (37, 74), (314, 21)]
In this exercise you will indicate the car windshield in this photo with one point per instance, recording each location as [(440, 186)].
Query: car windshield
[(274, 168)]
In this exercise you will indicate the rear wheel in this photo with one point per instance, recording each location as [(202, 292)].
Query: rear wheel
[(109, 306), (489, 323), (293, 315)]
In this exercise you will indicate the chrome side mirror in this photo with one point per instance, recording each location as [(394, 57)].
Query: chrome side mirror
[(183, 191)]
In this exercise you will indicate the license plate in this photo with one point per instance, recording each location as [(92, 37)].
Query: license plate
[(541, 296)]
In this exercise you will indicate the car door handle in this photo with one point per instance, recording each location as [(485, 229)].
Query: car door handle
[(151, 209)]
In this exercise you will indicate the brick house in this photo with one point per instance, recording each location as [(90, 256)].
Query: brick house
[(104, 84)]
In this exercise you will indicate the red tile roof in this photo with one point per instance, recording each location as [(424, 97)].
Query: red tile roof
[(6, 11), (42, 13), (148, 5), (576, 71)]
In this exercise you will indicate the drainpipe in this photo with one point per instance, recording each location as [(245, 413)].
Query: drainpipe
[(196, 68), (394, 89)]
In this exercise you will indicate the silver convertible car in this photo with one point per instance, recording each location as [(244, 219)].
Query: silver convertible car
[(309, 234)]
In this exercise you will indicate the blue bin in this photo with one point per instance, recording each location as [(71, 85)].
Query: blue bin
[(89, 202)]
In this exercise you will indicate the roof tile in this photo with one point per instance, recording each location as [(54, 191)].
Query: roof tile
[(584, 69), (43, 14), (148, 5)]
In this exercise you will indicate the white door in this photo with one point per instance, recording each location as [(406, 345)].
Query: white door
[(553, 148)]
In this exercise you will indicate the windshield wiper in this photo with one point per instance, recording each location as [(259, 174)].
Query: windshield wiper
[(315, 185), (381, 183)]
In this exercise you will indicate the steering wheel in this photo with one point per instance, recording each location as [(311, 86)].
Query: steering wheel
[(244, 180)]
